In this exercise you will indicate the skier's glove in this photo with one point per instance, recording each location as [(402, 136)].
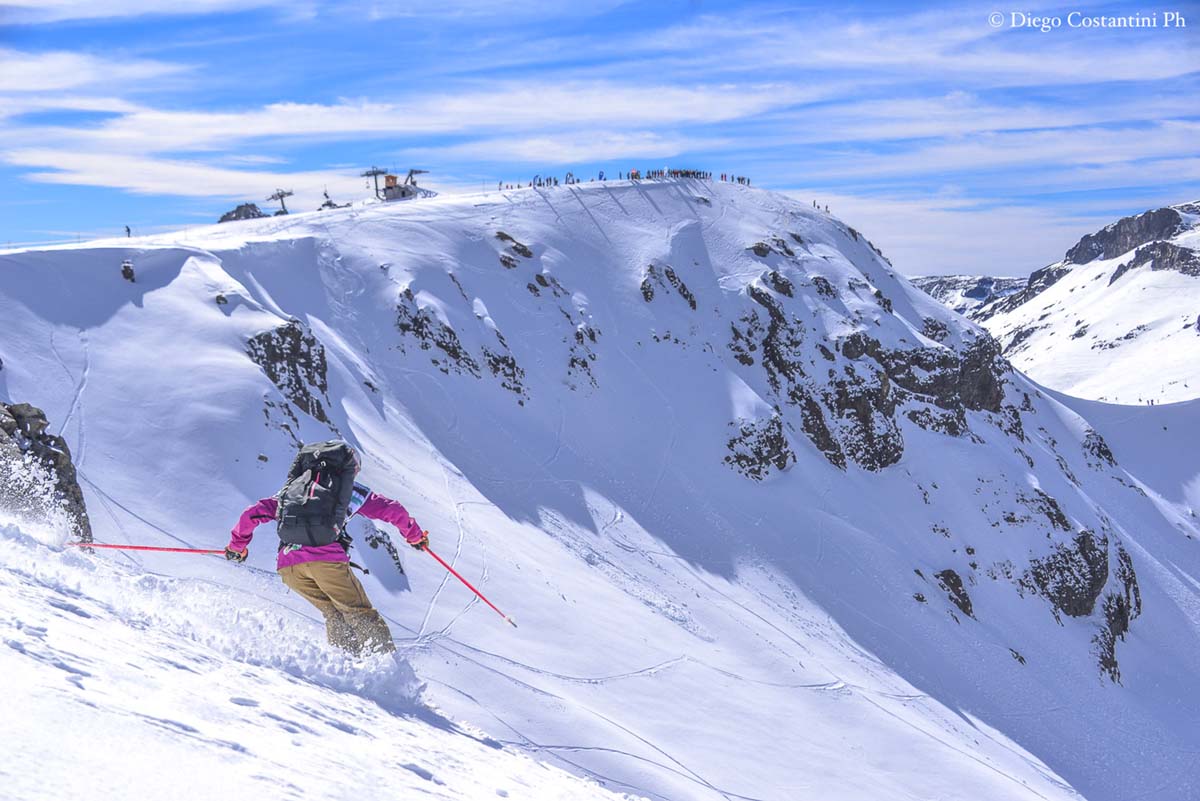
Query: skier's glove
[(236, 556), (421, 543)]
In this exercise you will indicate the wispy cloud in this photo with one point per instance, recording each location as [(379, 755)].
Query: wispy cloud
[(56, 71), (570, 148), (525, 106), (45, 11)]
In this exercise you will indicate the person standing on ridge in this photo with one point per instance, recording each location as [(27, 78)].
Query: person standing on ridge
[(312, 509)]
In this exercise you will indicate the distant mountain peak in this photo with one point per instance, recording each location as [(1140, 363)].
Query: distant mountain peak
[(1115, 320)]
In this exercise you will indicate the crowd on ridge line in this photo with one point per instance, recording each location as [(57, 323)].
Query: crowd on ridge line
[(631, 175)]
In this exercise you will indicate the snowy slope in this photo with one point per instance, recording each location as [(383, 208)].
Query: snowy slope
[(127, 684), (1117, 319), (774, 523), (1156, 444), (966, 293)]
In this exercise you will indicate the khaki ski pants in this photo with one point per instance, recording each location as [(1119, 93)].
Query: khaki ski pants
[(350, 620)]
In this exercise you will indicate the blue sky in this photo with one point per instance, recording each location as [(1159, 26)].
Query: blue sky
[(955, 144)]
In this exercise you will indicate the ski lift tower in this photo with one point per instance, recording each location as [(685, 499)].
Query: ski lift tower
[(279, 195), (394, 189), (374, 172)]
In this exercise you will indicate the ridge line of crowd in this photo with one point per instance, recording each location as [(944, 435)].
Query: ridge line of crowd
[(632, 175)]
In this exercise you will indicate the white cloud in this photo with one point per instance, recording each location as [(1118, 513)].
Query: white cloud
[(46, 11), (527, 106), (1029, 158), (953, 43), (482, 9), (157, 176), (41, 11), (570, 148), (27, 103), (150, 175), (562, 114), (56, 71), (960, 114)]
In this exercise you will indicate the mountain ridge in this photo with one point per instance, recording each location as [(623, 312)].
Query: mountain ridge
[(1083, 325)]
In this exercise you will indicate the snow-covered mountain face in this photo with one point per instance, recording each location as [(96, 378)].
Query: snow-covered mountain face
[(775, 524), (967, 293), (1118, 319)]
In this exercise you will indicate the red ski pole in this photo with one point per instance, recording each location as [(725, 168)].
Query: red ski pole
[(146, 548), (455, 573)]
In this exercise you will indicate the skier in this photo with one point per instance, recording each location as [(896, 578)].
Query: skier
[(312, 510)]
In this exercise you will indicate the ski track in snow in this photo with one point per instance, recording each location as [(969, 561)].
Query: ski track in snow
[(447, 578), (80, 385)]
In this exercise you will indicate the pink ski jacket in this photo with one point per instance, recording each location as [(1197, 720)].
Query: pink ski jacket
[(375, 507)]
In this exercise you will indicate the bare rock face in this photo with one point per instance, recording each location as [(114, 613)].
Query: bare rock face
[(1039, 281), (504, 366), (246, 211), (851, 408), (952, 583), (1126, 234), (519, 248), (759, 448), (661, 277), (1121, 606), (1161, 256), (1073, 575), (24, 435), (431, 333), (1097, 450), (294, 360), (1079, 578)]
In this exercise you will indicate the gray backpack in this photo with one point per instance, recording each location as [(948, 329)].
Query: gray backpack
[(315, 501)]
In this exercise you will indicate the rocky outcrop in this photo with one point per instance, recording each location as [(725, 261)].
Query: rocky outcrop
[(1039, 281), (952, 583), (504, 366), (1072, 575), (850, 410), (37, 476), (1097, 451), (759, 447), (581, 356), (864, 407), (657, 277), (779, 282), (934, 329), (431, 333), (246, 211), (777, 245), (1121, 607), (1161, 256), (519, 248), (1126, 234), (294, 360)]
